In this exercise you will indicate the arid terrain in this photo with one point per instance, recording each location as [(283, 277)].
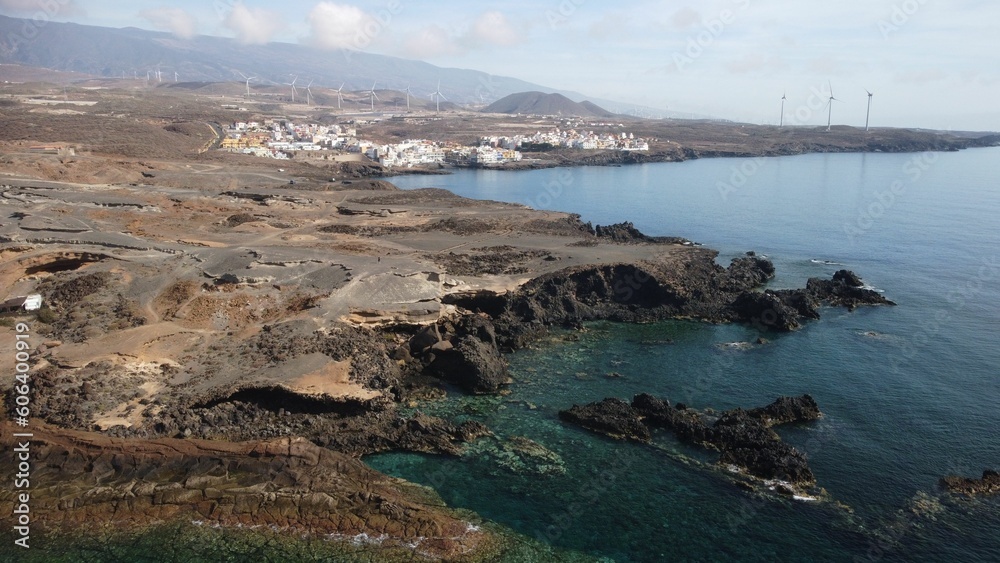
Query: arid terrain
[(220, 345)]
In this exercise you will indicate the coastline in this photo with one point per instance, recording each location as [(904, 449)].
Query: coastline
[(463, 290), (451, 325), (770, 144)]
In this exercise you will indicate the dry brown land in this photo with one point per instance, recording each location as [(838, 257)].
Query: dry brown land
[(166, 266), (178, 278)]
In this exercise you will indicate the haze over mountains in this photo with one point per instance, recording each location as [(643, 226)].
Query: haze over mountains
[(110, 52)]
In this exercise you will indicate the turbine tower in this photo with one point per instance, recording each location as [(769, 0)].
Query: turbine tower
[(309, 92), (340, 96), (407, 97), (781, 120), (292, 84), (869, 114), (248, 79), (829, 107), (373, 95), (175, 76), (437, 94)]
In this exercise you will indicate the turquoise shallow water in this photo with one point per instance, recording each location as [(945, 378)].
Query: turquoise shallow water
[(910, 393)]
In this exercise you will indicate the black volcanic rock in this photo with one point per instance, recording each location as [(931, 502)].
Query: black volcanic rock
[(748, 272), (748, 442), (788, 409), (988, 485), (685, 423), (847, 278), (612, 417), (626, 233), (845, 290), (464, 351), (474, 365), (801, 301), (766, 311), (744, 438), (689, 284)]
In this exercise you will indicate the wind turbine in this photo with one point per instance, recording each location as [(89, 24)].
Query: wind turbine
[(869, 114), (292, 84), (407, 90), (248, 79), (829, 106), (308, 91), (340, 96), (781, 120), (175, 76), (437, 94), (373, 95)]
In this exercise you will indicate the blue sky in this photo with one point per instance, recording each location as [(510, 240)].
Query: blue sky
[(930, 63)]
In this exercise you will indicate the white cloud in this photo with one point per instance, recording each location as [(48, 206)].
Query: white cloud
[(492, 29), (253, 26), (174, 20), (488, 30), (340, 26), (685, 18), (431, 41)]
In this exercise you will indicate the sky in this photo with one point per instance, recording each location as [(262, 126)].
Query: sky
[(929, 63)]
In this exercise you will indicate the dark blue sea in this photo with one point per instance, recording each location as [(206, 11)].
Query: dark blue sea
[(910, 393)]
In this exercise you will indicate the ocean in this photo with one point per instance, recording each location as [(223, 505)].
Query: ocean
[(909, 393)]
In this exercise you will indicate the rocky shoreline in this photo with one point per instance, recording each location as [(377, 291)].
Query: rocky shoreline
[(85, 482), (230, 384)]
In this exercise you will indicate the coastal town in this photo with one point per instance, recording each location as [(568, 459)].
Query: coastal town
[(284, 139)]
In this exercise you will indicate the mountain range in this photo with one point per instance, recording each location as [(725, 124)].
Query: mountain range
[(114, 52)]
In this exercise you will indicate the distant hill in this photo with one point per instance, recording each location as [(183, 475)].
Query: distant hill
[(540, 103)]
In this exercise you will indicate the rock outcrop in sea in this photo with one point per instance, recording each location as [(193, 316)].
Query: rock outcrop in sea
[(988, 485), (743, 438)]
